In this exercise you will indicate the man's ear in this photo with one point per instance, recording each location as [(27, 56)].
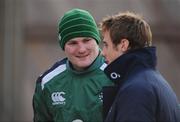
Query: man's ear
[(124, 45)]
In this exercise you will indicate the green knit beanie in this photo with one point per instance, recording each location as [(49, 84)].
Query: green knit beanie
[(77, 23)]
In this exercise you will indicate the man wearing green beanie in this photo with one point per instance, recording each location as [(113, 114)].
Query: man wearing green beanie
[(71, 90)]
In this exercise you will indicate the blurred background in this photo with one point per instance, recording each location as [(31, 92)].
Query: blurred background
[(29, 43)]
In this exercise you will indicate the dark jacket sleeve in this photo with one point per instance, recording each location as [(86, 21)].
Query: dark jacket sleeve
[(135, 103)]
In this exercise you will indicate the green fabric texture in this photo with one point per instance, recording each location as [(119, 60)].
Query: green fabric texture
[(77, 23)]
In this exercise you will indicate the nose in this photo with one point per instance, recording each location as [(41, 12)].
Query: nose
[(82, 48)]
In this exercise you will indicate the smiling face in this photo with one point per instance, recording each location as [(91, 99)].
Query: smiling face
[(111, 51), (81, 52)]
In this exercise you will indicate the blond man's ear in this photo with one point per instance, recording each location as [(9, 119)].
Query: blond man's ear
[(124, 45)]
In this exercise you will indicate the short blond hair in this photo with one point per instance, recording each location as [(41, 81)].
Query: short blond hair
[(130, 26)]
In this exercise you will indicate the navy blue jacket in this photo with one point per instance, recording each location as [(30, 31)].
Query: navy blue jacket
[(142, 94)]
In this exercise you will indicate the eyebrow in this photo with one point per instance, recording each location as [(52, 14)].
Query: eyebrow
[(104, 41), (71, 40)]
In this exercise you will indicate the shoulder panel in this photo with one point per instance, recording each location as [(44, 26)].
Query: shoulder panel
[(56, 69), (52, 74)]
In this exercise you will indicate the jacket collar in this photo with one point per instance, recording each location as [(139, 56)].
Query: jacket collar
[(130, 61)]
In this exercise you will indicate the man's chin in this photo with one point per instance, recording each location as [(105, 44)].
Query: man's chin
[(84, 63)]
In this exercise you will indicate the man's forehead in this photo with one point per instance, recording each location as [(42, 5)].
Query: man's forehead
[(80, 38)]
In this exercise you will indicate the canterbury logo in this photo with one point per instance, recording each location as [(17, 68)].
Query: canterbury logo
[(57, 98)]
